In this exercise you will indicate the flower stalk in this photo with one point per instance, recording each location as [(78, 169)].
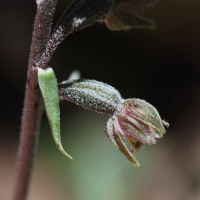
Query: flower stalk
[(32, 110)]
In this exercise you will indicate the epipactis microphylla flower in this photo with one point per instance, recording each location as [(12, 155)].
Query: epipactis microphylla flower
[(137, 121), (127, 14)]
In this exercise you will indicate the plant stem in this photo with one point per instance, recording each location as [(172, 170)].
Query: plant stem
[(32, 110), (77, 16)]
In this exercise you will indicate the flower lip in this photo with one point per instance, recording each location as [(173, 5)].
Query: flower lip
[(111, 130)]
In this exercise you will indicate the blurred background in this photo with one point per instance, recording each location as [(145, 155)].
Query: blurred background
[(161, 66)]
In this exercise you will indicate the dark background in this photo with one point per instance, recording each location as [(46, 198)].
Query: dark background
[(161, 66)]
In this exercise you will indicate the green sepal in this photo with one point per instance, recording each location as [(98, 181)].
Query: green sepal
[(91, 94), (48, 86)]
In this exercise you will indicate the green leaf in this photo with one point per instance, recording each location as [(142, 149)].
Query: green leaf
[(48, 85)]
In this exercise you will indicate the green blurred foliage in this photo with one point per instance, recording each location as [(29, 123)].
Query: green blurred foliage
[(98, 170)]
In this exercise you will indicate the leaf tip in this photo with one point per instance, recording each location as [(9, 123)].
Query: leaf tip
[(63, 151)]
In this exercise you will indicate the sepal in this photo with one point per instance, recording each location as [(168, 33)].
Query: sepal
[(91, 94)]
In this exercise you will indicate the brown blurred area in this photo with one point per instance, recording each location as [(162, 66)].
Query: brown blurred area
[(161, 66)]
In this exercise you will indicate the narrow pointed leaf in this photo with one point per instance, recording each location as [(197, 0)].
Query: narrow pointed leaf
[(48, 85)]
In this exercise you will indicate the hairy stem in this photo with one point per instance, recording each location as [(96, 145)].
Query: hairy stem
[(80, 14), (32, 110)]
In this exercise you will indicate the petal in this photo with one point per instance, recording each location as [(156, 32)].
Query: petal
[(145, 112), (135, 129), (113, 134)]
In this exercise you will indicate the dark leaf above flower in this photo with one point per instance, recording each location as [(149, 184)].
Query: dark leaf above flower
[(127, 14)]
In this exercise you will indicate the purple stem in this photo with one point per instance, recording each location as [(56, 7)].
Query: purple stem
[(56, 38), (78, 15), (32, 110)]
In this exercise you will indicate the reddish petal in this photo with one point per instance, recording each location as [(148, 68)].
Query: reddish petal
[(135, 129), (145, 112)]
